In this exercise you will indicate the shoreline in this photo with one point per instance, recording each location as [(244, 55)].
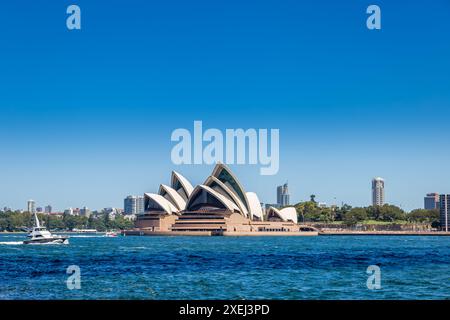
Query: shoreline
[(55, 232), (321, 233), (383, 233), (287, 234)]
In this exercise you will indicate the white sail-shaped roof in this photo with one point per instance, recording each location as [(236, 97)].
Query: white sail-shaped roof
[(256, 212), (286, 214), (289, 213), (221, 188), (224, 174), (156, 202), (204, 191), (181, 185), (173, 196)]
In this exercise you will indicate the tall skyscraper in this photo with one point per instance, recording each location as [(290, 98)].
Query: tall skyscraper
[(48, 209), (129, 205), (279, 192), (31, 206), (283, 195), (133, 205), (444, 209), (377, 191), (140, 205), (431, 201)]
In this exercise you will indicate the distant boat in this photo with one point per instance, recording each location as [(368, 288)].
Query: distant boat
[(85, 230), (110, 234), (40, 235)]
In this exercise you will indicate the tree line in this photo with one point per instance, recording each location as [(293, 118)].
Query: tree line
[(310, 211), (17, 221)]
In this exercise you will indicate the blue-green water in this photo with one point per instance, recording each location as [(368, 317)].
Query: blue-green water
[(324, 267)]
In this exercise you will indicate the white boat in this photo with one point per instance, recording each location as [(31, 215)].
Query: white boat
[(84, 230), (110, 234), (40, 235)]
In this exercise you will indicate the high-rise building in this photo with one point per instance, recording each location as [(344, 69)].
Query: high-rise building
[(283, 195), (31, 206), (431, 201), (444, 209), (133, 205), (48, 209), (129, 205), (140, 205), (377, 191), (85, 212)]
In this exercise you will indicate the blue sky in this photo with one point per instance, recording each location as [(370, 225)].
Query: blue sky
[(87, 114)]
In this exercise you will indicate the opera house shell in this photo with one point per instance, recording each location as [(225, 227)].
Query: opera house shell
[(219, 206)]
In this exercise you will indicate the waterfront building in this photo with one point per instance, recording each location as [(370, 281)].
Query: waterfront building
[(133, 204), (444, 210), (48, 209), (57, 214), (31, 206), (431, 201), (283, 195), (219, 206), (377, 191), (68, 211)]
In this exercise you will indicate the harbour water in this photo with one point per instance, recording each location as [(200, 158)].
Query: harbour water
[(324, 267)]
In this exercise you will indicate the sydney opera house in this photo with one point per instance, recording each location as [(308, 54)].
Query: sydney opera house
[(219, 206)]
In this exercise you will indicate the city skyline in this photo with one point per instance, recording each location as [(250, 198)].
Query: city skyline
[(89, 113), (134, 203)]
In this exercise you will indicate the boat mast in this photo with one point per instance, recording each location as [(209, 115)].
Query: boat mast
[(36, 220)]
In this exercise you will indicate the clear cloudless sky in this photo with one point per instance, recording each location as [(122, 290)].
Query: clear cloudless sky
[(86, 115)]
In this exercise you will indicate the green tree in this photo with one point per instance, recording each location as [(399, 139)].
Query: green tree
[(308, 211), (340, 212), (121, 223), (386, 212), (107, 221), (355, 215), (423, 215)]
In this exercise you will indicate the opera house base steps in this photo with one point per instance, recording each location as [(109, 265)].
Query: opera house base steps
[(215, 224)]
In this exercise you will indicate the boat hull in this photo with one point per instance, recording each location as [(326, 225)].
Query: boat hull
[(57, 240)]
